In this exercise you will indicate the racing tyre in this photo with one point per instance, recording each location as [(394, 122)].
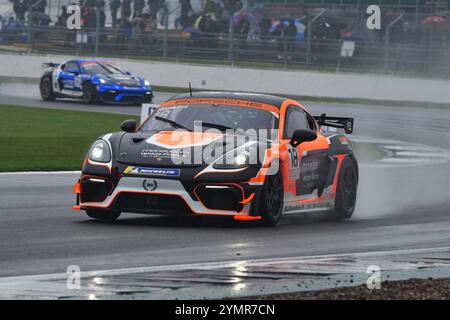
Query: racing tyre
[(273, 196), (46, 89), (346, 191), (103, 215), (89, 93)]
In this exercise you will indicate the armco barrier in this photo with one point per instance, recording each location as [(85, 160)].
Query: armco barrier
[(302, 83)]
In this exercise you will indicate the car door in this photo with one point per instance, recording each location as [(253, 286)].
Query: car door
[(69, 76), (308, 164)]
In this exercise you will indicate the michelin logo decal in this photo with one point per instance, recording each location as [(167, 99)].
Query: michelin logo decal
[(153, 171)]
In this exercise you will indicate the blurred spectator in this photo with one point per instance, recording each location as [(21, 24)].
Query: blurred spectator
[(151, 26), (232, 6), (278, 34), (126, 28), (12, 29), (138, 28), (62, 19), (243, 29), (183, 19), (264, 27), (101, 14), (88, 16), (20, 8), (138, 7), (39, 18), (126, 9), (89, 3), (290, 36), (155, 6), (38, 5), (205, 23), (114, 5), (150, 23)]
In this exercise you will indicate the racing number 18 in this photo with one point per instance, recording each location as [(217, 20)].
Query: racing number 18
[(294, 157)]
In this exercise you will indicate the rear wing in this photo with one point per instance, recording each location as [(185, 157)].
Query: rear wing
[(50, 65), (336, 122)]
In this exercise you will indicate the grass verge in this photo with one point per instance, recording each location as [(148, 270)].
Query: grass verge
[(34, 139)]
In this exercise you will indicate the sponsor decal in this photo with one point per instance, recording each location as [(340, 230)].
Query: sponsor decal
[(153, 171), (307, 206), (160, 154), (149, 185)]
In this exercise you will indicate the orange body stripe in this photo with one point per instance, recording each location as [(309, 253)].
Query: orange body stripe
[(231, 102), (243, 217), (245, 201), (77, 188)]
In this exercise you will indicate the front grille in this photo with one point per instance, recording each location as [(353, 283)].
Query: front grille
[(108, 96), (94, 190), (111, 97), (133, 84), (151, 203), (220, 197), (133, 99)]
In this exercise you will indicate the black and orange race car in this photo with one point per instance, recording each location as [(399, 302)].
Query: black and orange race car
[(246, 156)]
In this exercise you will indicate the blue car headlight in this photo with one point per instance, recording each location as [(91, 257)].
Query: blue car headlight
[(146, 83), (104, 81)]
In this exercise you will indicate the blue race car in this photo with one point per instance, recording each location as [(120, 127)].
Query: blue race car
[(93, 81)]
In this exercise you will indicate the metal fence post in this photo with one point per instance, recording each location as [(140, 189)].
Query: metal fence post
[(29, 30), (230, 39), (387, 40), (97, 29), (386, 47), (309, 36), (166, 31), (308, 43)]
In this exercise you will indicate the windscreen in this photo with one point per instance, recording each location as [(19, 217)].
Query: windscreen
[(216, 116), (100, 68)]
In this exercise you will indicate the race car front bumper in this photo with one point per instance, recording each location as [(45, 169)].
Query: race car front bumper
[(163, 196), (124, 95)]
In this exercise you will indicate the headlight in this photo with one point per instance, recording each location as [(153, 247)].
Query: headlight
[(104, 81), (100, 152), (241, 160), (146, 83)]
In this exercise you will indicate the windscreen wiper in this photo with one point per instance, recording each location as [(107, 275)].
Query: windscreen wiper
[(173, 123), (217, 126)]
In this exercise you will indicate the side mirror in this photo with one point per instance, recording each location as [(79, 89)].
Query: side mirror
[(73, 71), (301, 136), (129, 126)]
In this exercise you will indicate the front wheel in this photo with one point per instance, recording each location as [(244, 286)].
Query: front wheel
[(103, 215), (346, 191), (273, 198), (89, 93)]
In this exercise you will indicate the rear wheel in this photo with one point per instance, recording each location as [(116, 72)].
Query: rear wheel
[(346, 191), (103, 215), (272, 207), (89, 94), (46, 89)]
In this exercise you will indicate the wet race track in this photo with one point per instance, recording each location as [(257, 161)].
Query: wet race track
[(403, 203)]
